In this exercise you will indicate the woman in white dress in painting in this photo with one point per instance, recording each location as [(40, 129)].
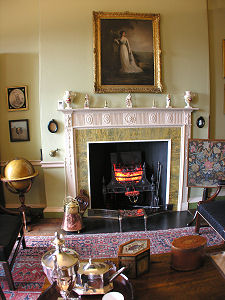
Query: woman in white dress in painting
[(127, 61)]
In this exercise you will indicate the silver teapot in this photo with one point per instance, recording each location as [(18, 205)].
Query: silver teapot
[(95, 277)]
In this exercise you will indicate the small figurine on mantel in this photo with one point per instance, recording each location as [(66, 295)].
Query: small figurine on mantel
[(168, 101), (129, 101), (67, 99), (86, 102), (153, 104), (106, 104)]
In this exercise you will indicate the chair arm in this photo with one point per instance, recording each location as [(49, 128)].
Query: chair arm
[(221, 183), (4, 210)]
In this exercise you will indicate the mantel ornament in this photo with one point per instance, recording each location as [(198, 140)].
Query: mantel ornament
[(153, 104), (187, 98), (67, 99), (168, 101), (129, 101), (86, 102), (106, 104)]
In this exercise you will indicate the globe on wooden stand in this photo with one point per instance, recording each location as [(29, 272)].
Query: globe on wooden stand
[(19, 176)]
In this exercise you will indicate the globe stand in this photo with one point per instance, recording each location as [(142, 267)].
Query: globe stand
[(24, 209)]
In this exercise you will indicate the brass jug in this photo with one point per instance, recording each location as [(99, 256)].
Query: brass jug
[(72, 220)]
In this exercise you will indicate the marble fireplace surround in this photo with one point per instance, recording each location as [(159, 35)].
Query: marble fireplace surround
[(127, 124)]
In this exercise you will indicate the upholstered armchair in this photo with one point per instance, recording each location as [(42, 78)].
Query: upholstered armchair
[(11, 231), (212, 210)]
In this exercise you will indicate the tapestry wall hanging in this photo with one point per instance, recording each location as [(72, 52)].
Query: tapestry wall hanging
[(206, 162)]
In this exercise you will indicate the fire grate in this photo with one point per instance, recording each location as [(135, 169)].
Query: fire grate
[(130, 179)]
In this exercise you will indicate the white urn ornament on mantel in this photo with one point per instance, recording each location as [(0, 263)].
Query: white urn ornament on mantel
[(188, 99), (67, 99)]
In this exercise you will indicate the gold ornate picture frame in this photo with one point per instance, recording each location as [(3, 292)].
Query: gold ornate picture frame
[(17, 98), (127, 54)]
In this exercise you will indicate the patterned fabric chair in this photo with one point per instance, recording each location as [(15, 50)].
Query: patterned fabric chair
[(11, 231), (212, 210)]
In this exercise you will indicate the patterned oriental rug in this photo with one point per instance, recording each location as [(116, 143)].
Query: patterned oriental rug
[(28, 273)]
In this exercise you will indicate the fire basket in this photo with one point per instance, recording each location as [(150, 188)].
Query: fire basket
[(130, 179)]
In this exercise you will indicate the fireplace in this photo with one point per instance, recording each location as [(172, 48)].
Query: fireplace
[(124, 175), (119, 128)]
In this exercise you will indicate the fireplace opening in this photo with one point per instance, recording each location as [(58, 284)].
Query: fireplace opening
[(124, 175)]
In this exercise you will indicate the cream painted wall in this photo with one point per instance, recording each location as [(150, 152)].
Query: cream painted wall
[(66, 58), (60, 35), (19, 65), (216, 12)]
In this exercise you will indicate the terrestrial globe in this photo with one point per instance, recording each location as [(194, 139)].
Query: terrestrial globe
[(19, 174)]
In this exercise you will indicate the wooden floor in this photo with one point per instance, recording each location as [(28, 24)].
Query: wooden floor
[(44, 227)]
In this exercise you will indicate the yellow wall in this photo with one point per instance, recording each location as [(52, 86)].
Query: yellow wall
[(216, 12), (48, 45)]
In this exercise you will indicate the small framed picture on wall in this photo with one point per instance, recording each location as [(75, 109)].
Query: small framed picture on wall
[(17, 98), (19, 130)]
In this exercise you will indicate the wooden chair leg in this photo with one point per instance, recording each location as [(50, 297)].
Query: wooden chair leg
[(198, 223), (145, 221), (2, 296), (8, 275), (120, 222), (193, 219), (24, 243), (23, 238)]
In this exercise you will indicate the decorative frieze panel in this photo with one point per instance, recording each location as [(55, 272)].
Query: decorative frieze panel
[(106, 119), (114, 117), (129, 119), (89, 120)]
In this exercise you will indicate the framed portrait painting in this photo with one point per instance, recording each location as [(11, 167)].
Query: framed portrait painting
[(17, 98), (127, 54), (19, 130)]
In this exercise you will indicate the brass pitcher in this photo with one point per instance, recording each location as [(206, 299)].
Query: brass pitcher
[(72, 220), (74, 209)]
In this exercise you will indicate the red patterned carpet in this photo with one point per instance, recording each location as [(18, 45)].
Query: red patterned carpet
[(28, 274)]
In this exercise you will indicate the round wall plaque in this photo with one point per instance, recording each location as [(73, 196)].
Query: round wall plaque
[(200, 122), (53, 126)]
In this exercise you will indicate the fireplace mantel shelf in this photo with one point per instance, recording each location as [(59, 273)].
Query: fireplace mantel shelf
[(108, 109), (127, 117)]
